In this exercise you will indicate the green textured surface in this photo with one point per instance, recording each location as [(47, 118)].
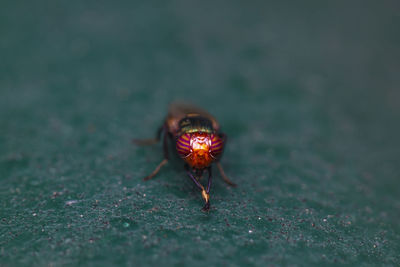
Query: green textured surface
[(308, 95)]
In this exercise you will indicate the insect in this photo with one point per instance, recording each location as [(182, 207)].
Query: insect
[(198, 141)]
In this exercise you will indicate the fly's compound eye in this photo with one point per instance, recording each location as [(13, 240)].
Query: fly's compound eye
[(183, 145), (217, 146)]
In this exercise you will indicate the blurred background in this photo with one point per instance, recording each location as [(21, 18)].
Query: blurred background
[(308, 94)]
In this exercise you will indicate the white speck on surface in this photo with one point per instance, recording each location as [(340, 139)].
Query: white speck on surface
[(81, 216), (324, 220), (144, 195), (250, 231), (34, 214), (71, 202)]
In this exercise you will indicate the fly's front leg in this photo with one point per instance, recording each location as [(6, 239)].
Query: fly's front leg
[(209, 180), (165, 149), (204, 192), (207, 192)]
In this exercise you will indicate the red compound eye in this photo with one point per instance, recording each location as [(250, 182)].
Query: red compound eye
[(217, 146), (183, 145)]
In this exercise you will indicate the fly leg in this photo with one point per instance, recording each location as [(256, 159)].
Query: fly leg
[(150, 141), (224, 137), (223, 175), (207, 205), (165, 149), (156, 170), (204, 193)]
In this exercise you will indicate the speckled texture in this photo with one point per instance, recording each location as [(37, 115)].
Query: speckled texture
[(308, 95)]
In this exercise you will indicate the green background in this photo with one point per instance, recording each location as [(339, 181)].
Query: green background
[(307, 93)]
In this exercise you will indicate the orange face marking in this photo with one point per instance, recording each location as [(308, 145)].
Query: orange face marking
[(200, 146)]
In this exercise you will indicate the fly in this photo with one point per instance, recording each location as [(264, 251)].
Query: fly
[(198, 141)]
